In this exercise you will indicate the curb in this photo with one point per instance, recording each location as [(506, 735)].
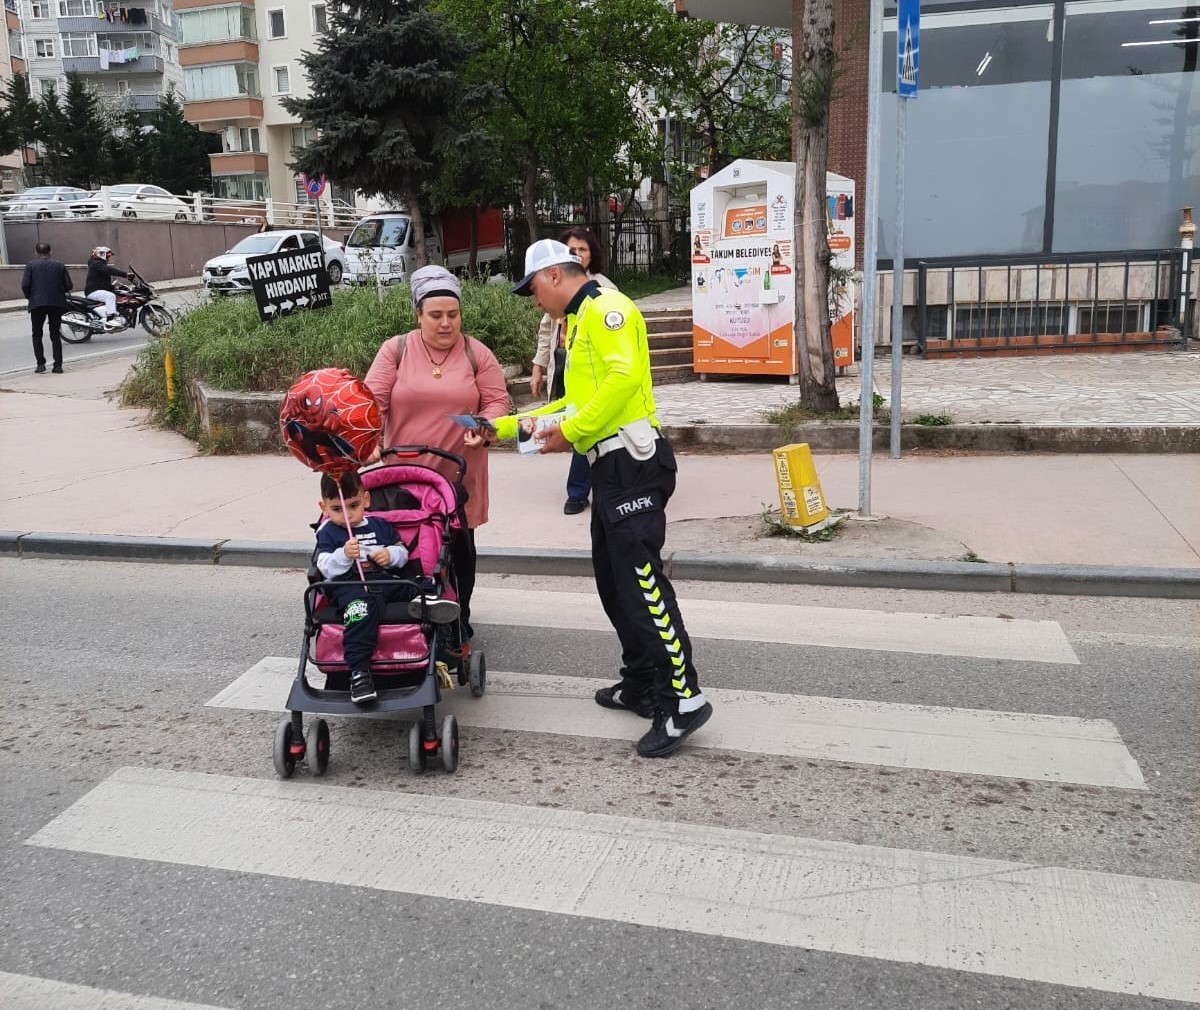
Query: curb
[(952, 576)]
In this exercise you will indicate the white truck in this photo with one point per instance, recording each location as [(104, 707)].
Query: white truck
[(382, 247)]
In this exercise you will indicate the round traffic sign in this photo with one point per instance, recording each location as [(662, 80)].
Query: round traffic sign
[(314, 185)]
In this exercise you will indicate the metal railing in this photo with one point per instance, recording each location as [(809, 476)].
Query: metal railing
[(278, 213), (633, 242), (1027, 302)]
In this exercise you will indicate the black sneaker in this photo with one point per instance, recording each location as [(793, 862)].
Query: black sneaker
[(621, 696), (362, 687), (41, 367), (573, 506), (669, 731), (433, 609)]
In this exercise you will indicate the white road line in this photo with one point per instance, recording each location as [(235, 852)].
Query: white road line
[(25, 992), (1047, 924), (969, 741), (837, 628)]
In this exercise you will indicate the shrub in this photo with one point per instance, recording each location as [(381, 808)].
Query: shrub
[(224, 345)]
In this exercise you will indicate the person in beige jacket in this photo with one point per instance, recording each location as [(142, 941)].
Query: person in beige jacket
[(551, 352)]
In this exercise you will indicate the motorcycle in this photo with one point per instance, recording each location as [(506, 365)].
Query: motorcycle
[(135, 304)]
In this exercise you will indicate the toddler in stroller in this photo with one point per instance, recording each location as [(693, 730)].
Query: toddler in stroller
[(388, 638)]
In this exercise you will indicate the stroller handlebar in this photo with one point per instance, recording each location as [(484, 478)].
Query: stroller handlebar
[(411, 451)]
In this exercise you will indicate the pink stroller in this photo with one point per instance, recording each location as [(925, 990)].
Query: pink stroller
[(425, 508)]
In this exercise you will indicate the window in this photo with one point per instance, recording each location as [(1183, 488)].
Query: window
[(122, 87), (239, 139), (16, 43), (48, 84), (302, 136), (144, 42), (43, 48), (76, 8), (320, 21), (79, 44), (242, 187), (276, 27), (216, 24), (289, 243), (226, 80), (282, 80), (38, 9), (311, 241)]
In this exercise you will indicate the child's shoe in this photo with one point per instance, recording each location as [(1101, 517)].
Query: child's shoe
[(362, 687), (433, 609)]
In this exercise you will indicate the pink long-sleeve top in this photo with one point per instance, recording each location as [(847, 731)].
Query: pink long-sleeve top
[(415, 406)]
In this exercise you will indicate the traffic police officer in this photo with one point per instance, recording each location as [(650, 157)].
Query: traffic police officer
[(607, 384)]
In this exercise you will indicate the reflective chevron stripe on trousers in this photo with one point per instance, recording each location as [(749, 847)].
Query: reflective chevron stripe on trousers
[(629, 525)]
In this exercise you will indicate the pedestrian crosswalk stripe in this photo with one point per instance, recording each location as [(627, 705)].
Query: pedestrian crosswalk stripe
[(833, 627), (969, 741), (1056, 925), (25, 992)]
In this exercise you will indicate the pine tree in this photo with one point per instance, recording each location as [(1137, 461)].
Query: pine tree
[(88, 137), (19, 121), (384, 87), (52, 132), (128, 148), (178, 152)]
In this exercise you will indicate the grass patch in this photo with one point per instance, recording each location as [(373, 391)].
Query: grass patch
[(224, 345), (795, 413), (634, 286), (933, 420)]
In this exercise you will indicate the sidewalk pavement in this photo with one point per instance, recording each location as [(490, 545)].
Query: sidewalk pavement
[(83, 469)]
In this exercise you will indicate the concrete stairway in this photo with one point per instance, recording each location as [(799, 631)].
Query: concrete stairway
[(670, 335)]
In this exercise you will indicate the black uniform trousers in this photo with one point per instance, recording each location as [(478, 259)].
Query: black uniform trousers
[(38, 317), (361, 605), (629, 525)]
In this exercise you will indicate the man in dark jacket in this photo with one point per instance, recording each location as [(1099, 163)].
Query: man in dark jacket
[(46, 283), (99, 284)]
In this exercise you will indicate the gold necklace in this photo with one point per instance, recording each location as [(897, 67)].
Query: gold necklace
[(437, 365)]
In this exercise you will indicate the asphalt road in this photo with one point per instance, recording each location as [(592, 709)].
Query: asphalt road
[(1002, 815), (16, 349)]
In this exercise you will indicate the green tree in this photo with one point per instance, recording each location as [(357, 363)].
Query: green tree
[(384, 86), (129, 147), (88, 140), (53, 131), (564, 80), (19, 121), (178, 151)]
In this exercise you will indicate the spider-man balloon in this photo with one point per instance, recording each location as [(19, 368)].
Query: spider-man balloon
[(330, 421)]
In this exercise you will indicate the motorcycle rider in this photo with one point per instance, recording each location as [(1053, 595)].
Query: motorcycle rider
[(99, 286)]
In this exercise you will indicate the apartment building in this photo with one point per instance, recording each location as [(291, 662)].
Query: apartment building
[(128, 54), (240, 60), (11, 62)]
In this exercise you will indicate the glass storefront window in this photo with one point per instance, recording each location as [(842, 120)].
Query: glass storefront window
[(1129, 139)]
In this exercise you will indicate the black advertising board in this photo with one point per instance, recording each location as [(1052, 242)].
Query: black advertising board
[(289, 281)]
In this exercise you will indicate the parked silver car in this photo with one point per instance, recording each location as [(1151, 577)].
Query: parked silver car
[(43, 202), (227, 274)]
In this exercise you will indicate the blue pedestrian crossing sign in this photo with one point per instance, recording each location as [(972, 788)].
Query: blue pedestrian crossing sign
[(314, 185), (908, 48)]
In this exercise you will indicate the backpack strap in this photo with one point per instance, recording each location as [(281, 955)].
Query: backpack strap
[(402, 342)]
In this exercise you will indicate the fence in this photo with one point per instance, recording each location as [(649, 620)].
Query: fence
[(1082, 301)]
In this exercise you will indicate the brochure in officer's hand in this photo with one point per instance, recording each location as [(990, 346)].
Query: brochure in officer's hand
[(476, 422), (530, 427)]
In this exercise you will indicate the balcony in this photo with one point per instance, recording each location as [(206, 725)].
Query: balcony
[(205, 53), (91, 65), (238, 163), (223, 110)]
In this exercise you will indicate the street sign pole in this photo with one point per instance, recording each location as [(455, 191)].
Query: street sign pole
[(870, 254), (314, 186), (908, 18)]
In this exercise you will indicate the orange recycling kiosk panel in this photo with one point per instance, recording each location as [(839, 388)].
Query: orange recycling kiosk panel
[(743, 269)]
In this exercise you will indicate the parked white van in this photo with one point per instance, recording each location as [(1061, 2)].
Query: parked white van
[(382, 247)]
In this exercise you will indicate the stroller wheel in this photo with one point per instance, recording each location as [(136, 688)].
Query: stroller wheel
[(316, 751), (477, 674), (449, 742), (285, 759), (416, 753)]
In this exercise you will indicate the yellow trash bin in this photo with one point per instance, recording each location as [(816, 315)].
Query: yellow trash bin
[(800, 499)]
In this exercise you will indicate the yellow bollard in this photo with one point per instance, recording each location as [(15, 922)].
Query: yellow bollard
[(800, 499), (169, 369)]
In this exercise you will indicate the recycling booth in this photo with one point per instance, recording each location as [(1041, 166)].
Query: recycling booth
[(743, 269)]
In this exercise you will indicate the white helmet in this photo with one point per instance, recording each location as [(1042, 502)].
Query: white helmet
[(102, 251)]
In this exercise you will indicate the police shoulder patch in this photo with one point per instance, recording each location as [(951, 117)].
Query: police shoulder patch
[(614, 320)]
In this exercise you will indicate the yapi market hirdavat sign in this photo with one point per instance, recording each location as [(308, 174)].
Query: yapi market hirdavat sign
[(289, 281)]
